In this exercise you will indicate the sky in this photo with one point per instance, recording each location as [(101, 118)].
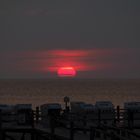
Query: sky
[(98, 38)]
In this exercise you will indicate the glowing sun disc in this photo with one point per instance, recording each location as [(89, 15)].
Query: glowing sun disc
[(66, 72)]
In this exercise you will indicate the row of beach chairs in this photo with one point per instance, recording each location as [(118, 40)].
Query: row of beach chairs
[(103, 110), (19, 114)]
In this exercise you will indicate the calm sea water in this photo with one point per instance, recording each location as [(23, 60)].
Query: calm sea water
[(38, 92)]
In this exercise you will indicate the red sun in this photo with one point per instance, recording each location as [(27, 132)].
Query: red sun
[(66, 72)]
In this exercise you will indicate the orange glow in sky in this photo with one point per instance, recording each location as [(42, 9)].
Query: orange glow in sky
[(90, 63), (69, 60)]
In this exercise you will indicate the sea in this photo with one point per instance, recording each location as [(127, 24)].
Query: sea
[(43, 91)]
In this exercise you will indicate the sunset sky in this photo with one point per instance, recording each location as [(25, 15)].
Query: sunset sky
[(98, 38)]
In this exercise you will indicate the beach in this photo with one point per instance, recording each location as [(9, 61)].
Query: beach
[(41, 91)]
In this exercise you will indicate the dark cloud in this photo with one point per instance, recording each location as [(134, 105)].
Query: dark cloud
[(35, 12)]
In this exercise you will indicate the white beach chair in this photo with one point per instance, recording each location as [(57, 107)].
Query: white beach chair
[(132, 113), (48, 111), (106, 111), (24, 114), (77, 107), (7, 112)]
